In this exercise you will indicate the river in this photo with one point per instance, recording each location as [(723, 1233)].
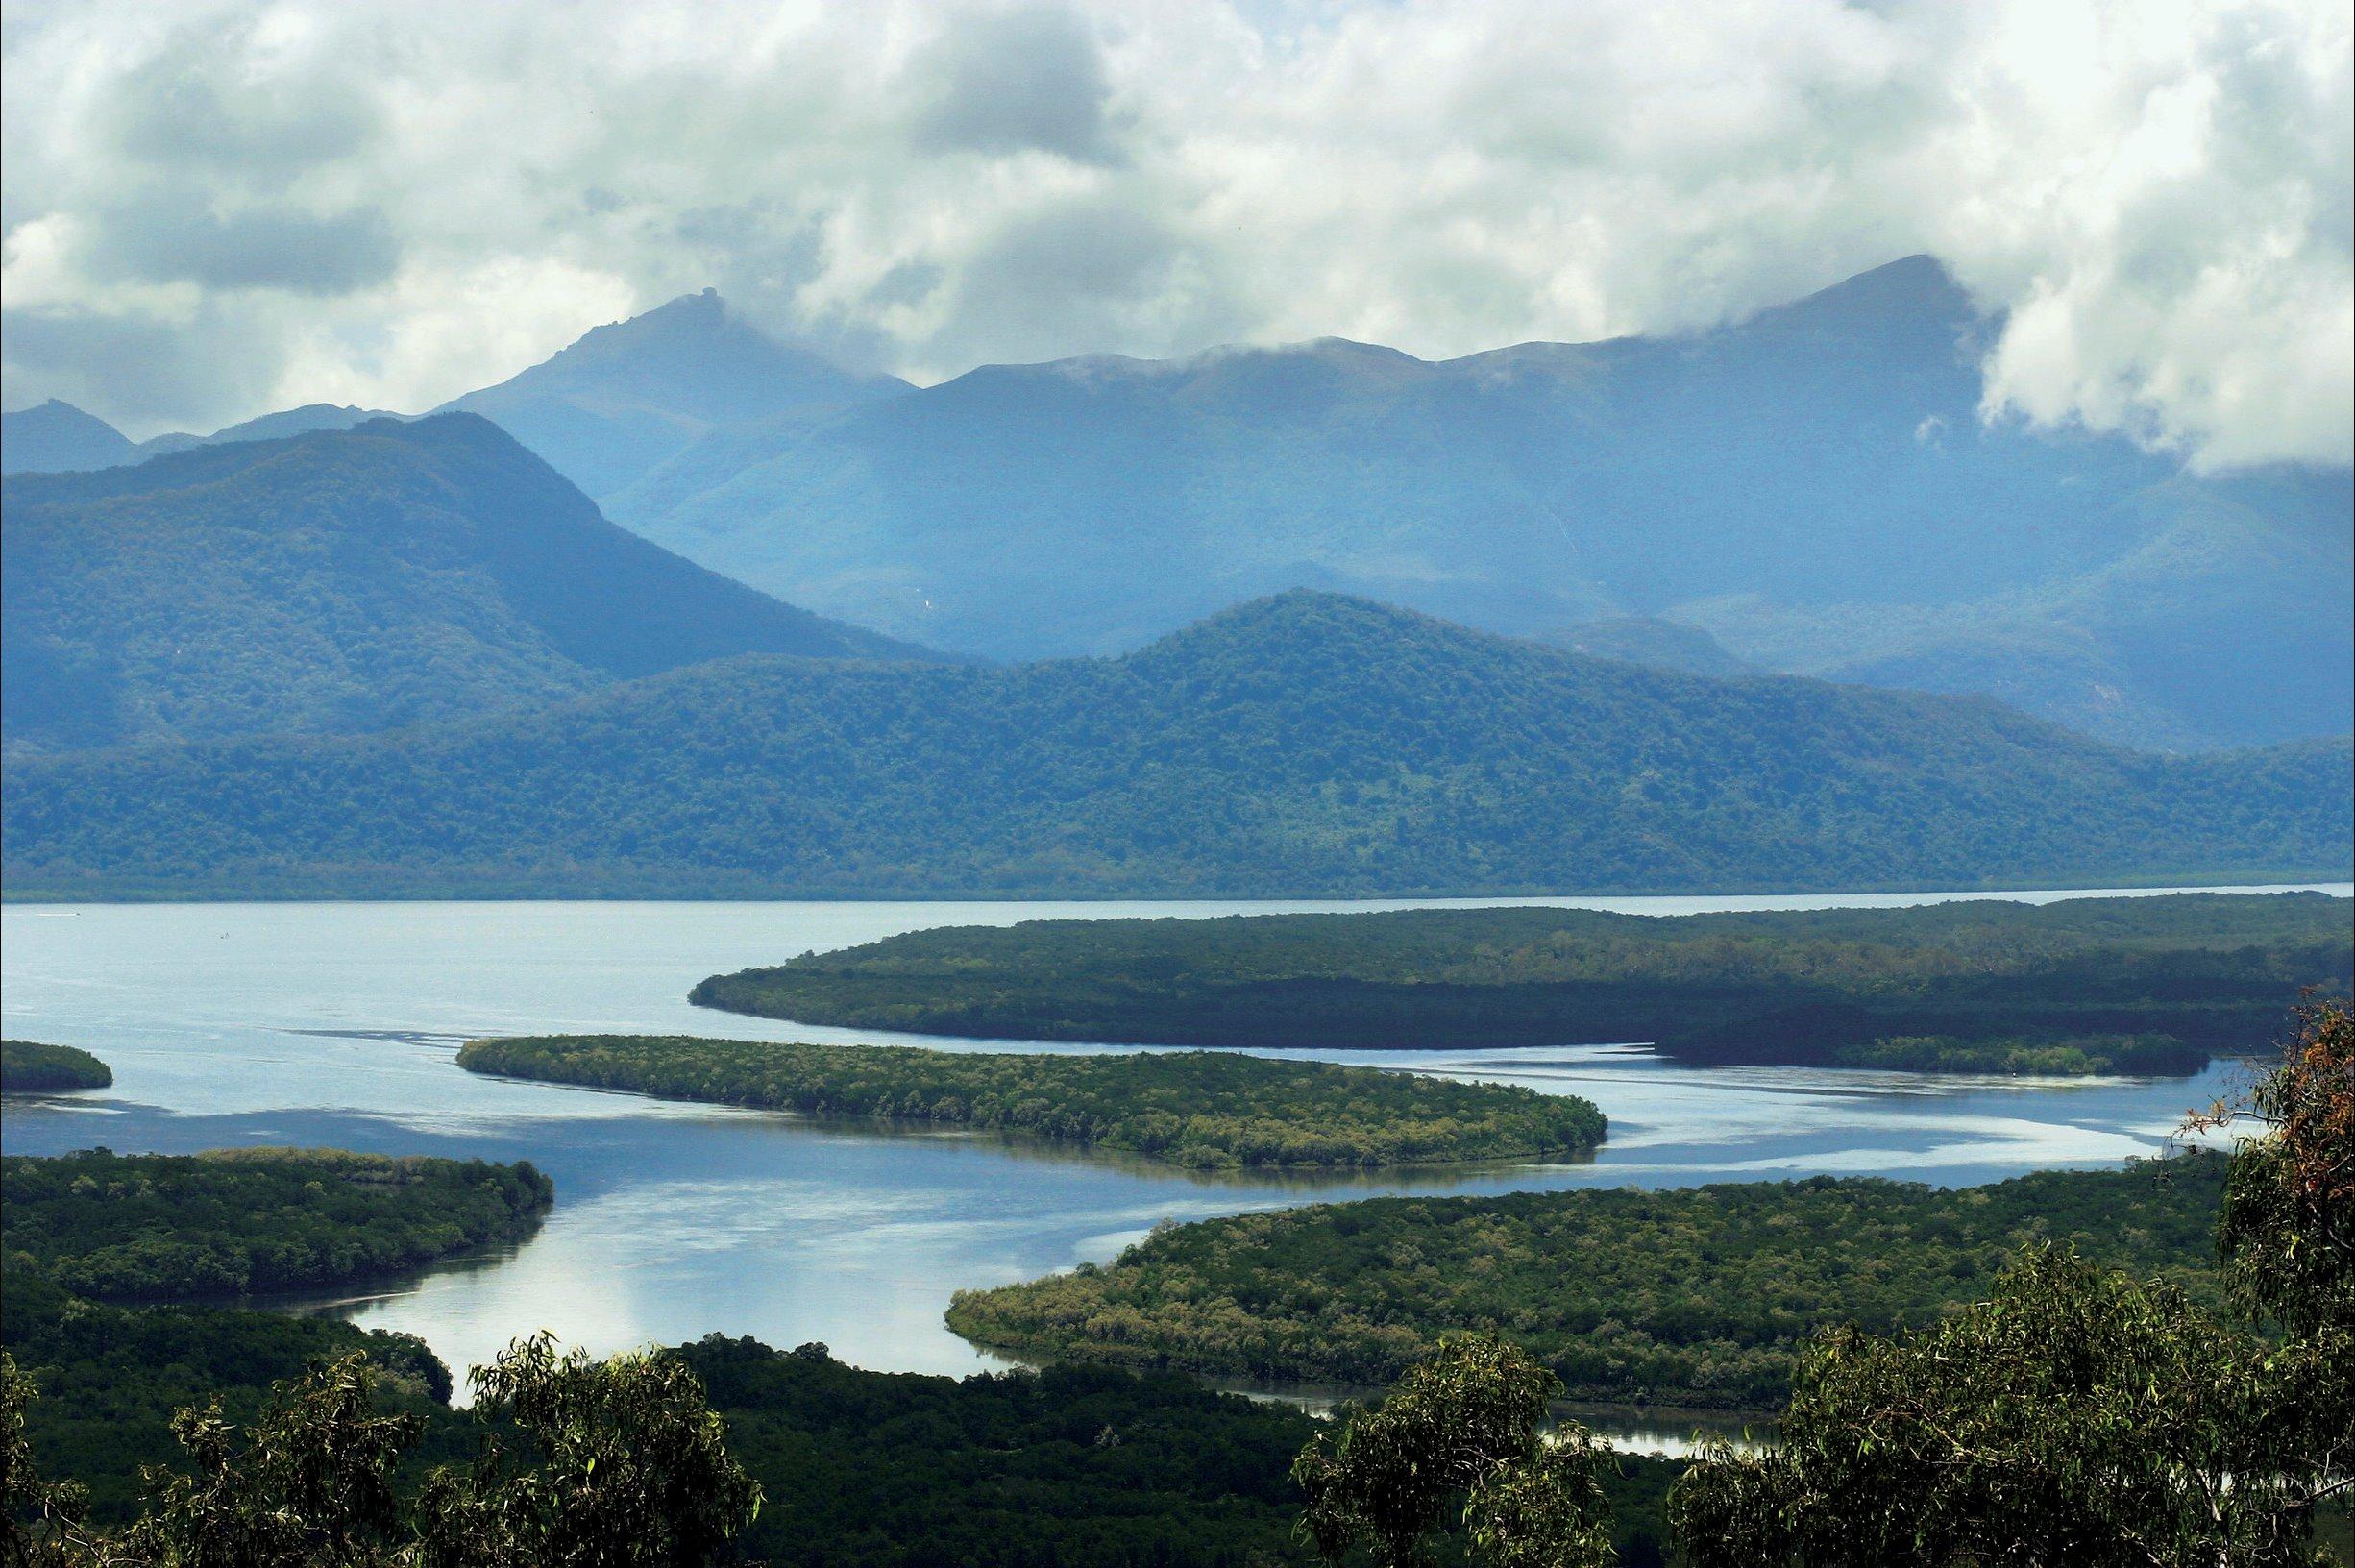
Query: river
[(239, 1024)]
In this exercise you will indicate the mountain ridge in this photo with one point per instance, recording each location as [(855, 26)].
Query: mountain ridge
[(1814, 489), (1783, 485), (625, 396), (1302, 744), (346, 580)]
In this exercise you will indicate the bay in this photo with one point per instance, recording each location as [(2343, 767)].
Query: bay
[(336, 1024)]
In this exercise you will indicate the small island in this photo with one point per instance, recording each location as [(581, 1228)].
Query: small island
[(1199, 1109), (154, 1227), (2148, 985), (1698, 1298), (29, 1067), (118, 1268), (2051, 1056)]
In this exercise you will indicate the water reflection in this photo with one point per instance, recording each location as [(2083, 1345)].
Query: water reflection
[(233, 1025)]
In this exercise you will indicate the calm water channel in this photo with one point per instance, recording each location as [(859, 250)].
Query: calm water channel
[(336, 1024)]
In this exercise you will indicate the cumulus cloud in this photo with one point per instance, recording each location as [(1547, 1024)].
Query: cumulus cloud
[(1010, 81), (392, 203)]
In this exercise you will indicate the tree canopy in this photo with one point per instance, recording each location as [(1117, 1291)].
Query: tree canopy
[(1304, 744), (29, 1067), (2148, 985), (1703, 1296), (1191, 1108)]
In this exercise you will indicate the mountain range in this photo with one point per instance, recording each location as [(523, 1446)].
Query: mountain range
[(1814, 488), (345, 581), (628, 397), (1305, 744), (1811, 491), (58, 438)]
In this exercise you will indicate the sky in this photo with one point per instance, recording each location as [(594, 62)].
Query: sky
[(212, 209)]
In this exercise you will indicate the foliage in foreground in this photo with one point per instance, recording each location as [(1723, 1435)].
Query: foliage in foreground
[(624, 1466), (2077, 1417), (2082, 1416), (1066, 1467), (30, 1067), (112, 1377), (1198, 1109), (2139, 985), (151, 1226), (1459, 1434), (1702, 1296)]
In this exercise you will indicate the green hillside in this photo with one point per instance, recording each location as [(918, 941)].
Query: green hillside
[(344, 581), (1304, 744)]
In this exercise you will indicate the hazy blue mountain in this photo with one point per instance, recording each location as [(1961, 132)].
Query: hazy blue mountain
[(56, 436), (628, 396), (343, 581), (1665, 645), (1302, 744), (1813, 487), (311, 416), (60, 438)]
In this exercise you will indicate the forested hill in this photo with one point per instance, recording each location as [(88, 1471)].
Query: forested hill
[(344, 581), (1304, 744)]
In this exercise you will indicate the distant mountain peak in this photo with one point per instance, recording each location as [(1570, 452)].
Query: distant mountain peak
[(1913, 288), (705, 311), (56, 436), (1304, 615), (628, 396), (334, 582)]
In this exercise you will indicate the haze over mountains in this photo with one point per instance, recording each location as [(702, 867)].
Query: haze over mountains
[(630, 394), (58, 438), (1811, 491), (344, 581), (1300, 745), (1814, 487)]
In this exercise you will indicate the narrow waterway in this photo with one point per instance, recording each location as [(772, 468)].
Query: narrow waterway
[(336, 1024)]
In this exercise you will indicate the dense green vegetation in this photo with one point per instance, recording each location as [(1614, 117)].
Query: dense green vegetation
[(1304, 744), (1067, 1467), (1699, 1297), (2078, 1418), (29, 1067), (111, 1377), (1075, 1466), (153, 1226), (344, 581), (2062, 1056), (1191, 1108), (2082, 1416), (1972, 985), (1460, 1442), (1070, 1467), (618, 1463), (82, 1232)]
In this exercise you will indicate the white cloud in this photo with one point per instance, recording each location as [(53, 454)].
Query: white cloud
[(392, 203)]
